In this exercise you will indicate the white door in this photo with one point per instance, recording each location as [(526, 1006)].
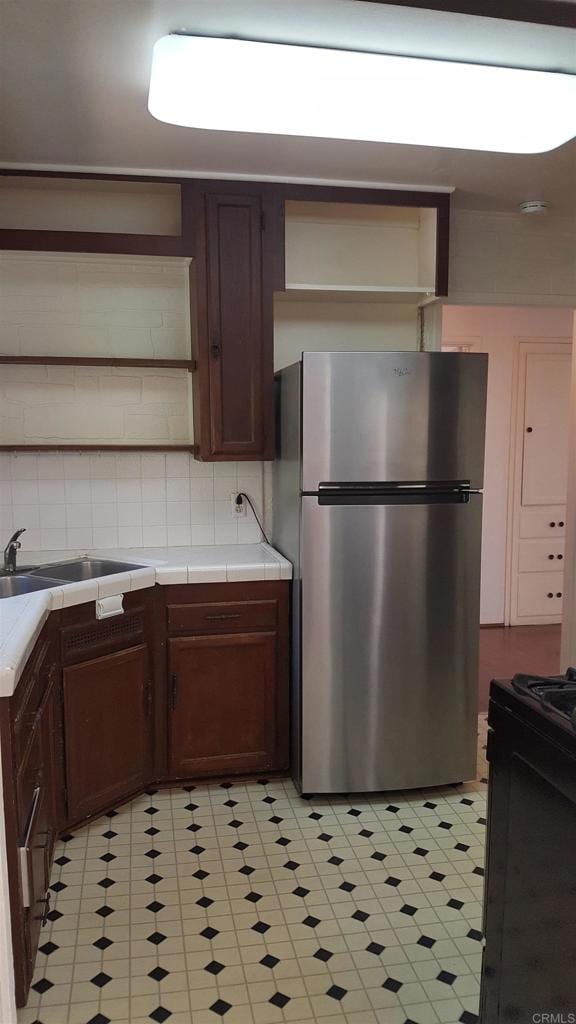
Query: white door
[(546, 406)]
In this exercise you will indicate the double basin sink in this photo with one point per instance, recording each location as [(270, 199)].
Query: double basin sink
[(29, 578)]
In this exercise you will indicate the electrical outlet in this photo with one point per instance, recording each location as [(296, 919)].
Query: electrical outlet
[(238, 509)]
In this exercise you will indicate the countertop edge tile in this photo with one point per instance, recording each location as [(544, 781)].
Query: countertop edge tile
[(22, 617)]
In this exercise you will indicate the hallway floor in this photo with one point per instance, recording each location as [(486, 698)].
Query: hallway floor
[(245, 903), (506, 650)]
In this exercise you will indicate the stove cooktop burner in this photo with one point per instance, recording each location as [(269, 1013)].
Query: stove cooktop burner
[(557, 694)]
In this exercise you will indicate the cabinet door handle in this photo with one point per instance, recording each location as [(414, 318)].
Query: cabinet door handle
[(223, 615), (148, 698), (215, 350), (173, 691)]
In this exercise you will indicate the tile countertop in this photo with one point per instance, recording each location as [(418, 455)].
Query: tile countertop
[(22, 617)]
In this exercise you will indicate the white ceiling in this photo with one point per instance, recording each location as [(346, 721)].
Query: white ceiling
[(75, 80)]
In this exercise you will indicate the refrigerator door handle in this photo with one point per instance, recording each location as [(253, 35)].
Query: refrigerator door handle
[(398, 496)]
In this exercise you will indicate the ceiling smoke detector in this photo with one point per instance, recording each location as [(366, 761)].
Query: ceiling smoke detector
[(534, 206)]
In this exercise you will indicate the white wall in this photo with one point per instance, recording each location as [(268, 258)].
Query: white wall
[(512, 259), (82, 501), (568, 650), (341, 326), (497, 330)]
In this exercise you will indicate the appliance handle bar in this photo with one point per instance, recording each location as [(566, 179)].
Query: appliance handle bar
[(455, 497)]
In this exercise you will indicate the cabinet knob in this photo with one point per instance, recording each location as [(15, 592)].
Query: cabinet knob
[(552, 524), (561, 523), (549, 595), (559, 594), (550, 556), (560, 557), (528, 430)]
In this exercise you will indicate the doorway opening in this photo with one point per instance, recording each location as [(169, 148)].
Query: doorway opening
[(525, 481)]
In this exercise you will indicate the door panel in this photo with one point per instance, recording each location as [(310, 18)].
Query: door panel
[(390, 613), (235, 323), (107, 723), (393, 416), (540, 593), (546, 429), (223, 703)]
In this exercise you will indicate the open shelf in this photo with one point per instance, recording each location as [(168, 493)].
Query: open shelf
[(355, 293), (184, 364), (48, 447)]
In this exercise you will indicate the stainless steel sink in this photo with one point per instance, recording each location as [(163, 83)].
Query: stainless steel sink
[(14, 584), (82, 569), (19, 570)]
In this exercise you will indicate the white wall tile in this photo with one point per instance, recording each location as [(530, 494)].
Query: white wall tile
[(74, 501)]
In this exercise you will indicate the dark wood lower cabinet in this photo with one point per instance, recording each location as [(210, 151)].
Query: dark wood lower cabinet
[(191, 682), (107, 719), (222, 704)]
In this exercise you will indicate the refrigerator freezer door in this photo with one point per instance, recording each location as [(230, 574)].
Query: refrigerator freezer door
[(389, 619), (393, 416)]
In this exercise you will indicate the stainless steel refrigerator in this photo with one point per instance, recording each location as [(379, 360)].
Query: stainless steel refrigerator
[(378, 505)]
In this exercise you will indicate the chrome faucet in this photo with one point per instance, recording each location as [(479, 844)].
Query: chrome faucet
[(11, 549)]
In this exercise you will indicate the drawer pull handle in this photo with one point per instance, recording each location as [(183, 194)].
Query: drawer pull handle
[(223, 615)]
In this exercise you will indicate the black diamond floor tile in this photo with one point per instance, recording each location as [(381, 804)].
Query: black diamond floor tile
[(214, 967), (279, 1000), (360, 915), (101, 979), (220, 1007), (446, 977), (43, 985), (269, 961), (158, 974), (336, 992), (103, 943), (392, 984), (160, 1014), (375, 948), (323, 954)]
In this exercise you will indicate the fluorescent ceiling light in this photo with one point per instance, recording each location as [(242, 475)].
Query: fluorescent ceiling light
[(240, 86)]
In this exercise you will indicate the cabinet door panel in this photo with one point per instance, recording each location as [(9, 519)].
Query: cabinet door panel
[(235, 322), (545, 457), (107, 704), (223, 703)]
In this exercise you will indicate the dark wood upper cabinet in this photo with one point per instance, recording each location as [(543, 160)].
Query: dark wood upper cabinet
[(238, 265), (107, 729)]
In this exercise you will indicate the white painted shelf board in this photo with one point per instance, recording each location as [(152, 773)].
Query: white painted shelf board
[(355, 293)]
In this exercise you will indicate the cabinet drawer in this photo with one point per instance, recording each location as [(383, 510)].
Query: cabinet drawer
[(540, 593), (222, 617), (547, 521), (541, 555)]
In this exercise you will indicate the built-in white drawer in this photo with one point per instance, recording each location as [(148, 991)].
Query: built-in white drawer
[(541, 555), (547, 521), (540, 593)]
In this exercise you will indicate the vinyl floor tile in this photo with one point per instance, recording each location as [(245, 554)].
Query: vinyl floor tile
[(244, 903)]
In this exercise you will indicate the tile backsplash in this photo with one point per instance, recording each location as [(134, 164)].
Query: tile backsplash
[(101, 500)]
